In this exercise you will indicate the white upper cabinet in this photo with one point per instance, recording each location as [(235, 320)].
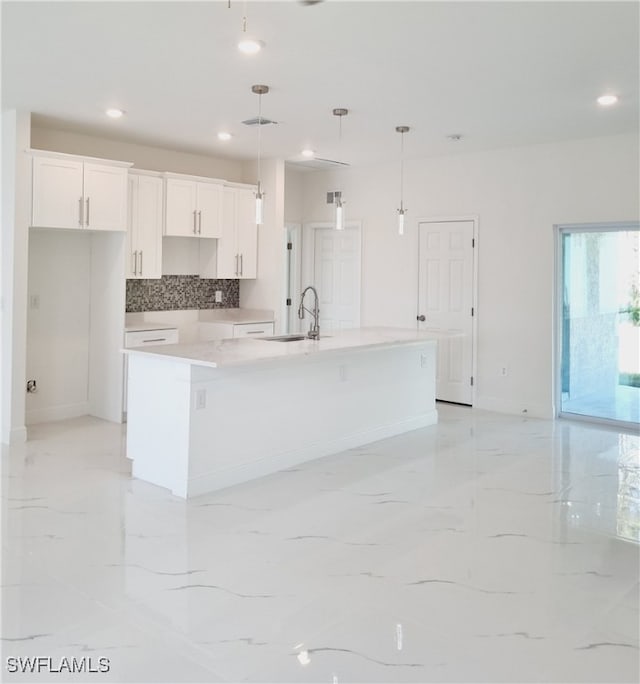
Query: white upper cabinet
[(192, 207), (238, 243), (144, 226), (78, 193)]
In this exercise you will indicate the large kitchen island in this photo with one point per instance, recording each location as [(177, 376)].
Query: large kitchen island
[(209, 415)]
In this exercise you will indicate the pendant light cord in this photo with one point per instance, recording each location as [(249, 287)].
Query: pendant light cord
[(401, 171), (259, 139)]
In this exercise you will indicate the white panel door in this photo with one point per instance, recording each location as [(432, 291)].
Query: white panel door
[(105, 195), (337, 277), (445, 299)]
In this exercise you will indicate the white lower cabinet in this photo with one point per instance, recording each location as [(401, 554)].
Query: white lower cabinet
[(208, 332), (144, 229), (145, 338)]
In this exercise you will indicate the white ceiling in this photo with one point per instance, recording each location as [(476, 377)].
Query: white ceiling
[(499, 73)]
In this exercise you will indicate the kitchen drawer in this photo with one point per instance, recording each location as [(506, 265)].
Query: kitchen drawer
[(148, 338), (252, 329)]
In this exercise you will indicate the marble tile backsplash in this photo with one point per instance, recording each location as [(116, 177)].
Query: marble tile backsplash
[(173, 292)]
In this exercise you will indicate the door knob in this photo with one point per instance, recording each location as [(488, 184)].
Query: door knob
[(421, 318)]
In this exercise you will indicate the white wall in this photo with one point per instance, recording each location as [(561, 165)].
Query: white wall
[(16, 194), (58, 328), (142, 156), (518, 195), (294, 195), (267, 290)]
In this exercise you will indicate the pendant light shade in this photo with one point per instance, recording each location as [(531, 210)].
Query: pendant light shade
[(259, 90), (338, 201), (401, 211)]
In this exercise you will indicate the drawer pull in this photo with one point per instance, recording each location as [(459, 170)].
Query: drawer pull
[(156, 339), (254, 332)]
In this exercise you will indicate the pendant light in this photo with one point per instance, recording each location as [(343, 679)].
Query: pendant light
[(247, 44), (260, 90), (402, 211), (337, 196)]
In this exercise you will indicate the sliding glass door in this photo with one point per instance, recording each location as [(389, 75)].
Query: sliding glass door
[(599, 322)]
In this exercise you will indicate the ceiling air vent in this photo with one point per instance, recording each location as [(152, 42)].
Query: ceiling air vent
[(258, 121)]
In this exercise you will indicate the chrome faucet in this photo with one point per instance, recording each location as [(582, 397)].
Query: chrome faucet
[(314, 330)]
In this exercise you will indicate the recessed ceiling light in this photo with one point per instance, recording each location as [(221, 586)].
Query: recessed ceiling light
[(309, 154), (250, 46), (223, 135), (607, 100), (114, 113)]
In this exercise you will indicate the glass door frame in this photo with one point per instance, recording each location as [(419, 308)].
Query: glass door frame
[(561, 229)]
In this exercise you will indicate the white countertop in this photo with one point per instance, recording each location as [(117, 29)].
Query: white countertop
[(243, 351), (148, 326), (235, 316)]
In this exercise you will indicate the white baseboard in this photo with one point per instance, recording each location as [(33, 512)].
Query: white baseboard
[(51, 413), (523, 408), (227, 477)]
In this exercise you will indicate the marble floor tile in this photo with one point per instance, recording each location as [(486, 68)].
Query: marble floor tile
[(487, 548)]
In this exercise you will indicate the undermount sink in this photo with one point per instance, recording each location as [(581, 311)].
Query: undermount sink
[(295, 337), (285, 338)]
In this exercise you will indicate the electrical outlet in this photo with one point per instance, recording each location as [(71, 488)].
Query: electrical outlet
[(201, 399), (504, 371), (32, 388), (218, 296), (34, 301)]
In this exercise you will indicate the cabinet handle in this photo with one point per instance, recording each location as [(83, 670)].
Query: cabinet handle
[(241, 265), (81, 212), (135, 263), (88, 198), (237, 264), (140, 262), (195, 222), (156, 339), (200, 222)]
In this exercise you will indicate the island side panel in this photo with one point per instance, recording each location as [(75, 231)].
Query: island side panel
[(267, 416), (158, 421)]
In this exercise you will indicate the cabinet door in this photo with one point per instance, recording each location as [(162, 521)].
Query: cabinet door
[(247, 233), (57, 193), (131, 252), (228, 258), (181, 218), (105, 197), (209, 204), (149, 227)]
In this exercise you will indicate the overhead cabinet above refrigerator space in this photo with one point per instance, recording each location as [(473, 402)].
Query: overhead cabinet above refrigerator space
[(78, 192)]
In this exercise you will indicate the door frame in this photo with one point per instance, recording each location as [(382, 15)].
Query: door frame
[(292, 233), (474, 218), (308, 254), (559, 229)]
